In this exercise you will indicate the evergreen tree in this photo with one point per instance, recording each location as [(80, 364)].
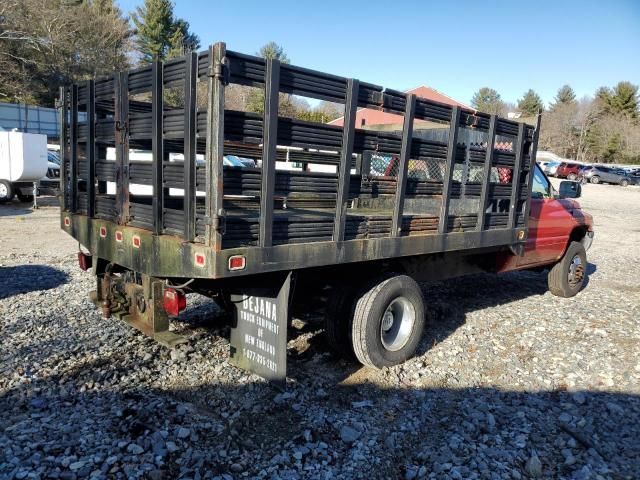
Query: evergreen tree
[(565, 96), (159, 34), (154, 26), (624, 99), (188, 41), (273, 50), (488, 100), (530, 103), (255, 100)]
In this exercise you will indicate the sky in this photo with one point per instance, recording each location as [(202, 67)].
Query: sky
[(453, 46)]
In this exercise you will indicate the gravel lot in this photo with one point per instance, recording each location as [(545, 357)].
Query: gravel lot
[(509, 382)]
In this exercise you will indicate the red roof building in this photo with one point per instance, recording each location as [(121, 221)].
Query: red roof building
[(366, 117)]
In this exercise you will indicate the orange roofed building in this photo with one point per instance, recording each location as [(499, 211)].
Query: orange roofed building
[(366, 117)]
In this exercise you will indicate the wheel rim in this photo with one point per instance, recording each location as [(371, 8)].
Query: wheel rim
[(4, 192), (595, 179), (576, 271), (397, 324)]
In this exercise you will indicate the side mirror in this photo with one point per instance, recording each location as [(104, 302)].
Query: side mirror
[(570, 189)]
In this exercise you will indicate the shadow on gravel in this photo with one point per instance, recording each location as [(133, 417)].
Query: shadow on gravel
[(14, 210), (449, 302), (250, 427), (29, 278)]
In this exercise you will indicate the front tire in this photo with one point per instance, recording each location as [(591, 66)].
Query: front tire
[(624, 183), (595, 179), (567, 277), (6, 191), (388, 321), (572, 177)]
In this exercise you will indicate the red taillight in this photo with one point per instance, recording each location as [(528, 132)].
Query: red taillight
[(200, 259), (174, 301), (237, 262), (85, 261)]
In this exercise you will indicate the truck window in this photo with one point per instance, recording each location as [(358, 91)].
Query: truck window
[(541, 187)]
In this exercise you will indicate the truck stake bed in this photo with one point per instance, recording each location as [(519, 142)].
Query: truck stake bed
[(381, 196)]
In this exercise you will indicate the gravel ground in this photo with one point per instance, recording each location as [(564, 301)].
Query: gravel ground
[(509, 381)]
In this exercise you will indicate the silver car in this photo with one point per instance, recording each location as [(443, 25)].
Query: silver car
[(601, 174)]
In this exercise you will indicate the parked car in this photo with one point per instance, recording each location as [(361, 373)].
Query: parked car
[(602, 174), (568, 170), (50, 183), (551, 168)]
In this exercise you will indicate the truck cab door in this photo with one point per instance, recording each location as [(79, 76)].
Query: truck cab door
[(550, 222)]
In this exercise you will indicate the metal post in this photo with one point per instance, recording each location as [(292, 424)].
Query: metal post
[(91, 148), (515, 177), (532, 165), (346, 154), (452, 149), (215, 145), (190, 79), (122, 146), (403, 165), (73, 140), (63, 146), (269, 143), (365, 166), (486, 173), (465, 170), (157, 147)]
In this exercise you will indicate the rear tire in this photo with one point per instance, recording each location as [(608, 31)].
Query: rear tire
[(624, 183), (25, 198), (6, 191), (595, 179), (567, 277), (572, 177), (338, 315), (388, 321)]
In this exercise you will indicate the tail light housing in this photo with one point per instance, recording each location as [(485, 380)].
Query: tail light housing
[(237, 262), (174, 301), (85, 261)]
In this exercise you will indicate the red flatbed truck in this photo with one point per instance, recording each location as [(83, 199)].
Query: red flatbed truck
[(262, 240)]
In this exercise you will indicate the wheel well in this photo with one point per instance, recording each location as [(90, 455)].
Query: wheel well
[(577, 235)]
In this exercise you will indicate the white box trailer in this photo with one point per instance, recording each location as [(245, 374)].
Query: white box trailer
[(23, 161)]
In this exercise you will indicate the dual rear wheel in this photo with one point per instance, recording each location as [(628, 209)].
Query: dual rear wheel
[(381, 324)]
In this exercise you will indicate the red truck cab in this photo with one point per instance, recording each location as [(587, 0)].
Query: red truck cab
[(560, 232)]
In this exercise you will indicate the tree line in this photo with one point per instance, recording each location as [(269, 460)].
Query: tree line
[(47, 43), (601, 128)]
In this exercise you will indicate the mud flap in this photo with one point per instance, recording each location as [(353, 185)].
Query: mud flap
[(259, 330)]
